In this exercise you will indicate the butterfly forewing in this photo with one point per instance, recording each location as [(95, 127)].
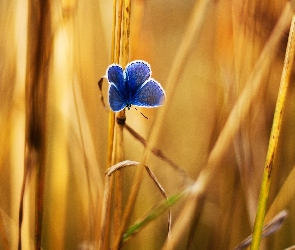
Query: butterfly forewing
[(115, 76), (151, 94), (137, 72)]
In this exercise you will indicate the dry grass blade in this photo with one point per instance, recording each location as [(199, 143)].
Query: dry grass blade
[(274, 137), (192, 31), (105, 215), (126, 32), (115, 140), (237, 115), (157, 152), (11, 227), (118, 38), (269, 228), (114, 31), (154, 178), (220, 64), (128, 163), (39, 50), (121, 165), (120, 116)]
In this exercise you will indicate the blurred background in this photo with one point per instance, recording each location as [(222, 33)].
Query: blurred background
[(75, 50)]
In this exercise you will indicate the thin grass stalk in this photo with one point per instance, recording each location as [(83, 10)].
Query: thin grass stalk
[(274, 138), (105, 215), (192, 32), (115, 143), (126, 32), (158, 153), (176, 71), (118, 176), (121, 117), (114, 31), (231, 127), (115, 55), (152, 214), (38, 56), (39, 106), (81, 118), (119, 30), (269, 228), (116, 39), (119, 223), (106, 205), (129, 207), (111, 114)]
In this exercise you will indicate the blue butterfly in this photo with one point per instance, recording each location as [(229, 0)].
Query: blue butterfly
[(133, 86)]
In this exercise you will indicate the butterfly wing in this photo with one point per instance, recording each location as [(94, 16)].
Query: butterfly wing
[(115, 76), (136, 73), (116, 101), (151, 94), (116, 90)]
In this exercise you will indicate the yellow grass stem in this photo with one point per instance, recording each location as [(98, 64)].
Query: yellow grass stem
[(177, 67), (126, 32), (119, 154), (105, 215), (106, 206), (231, 127), (119, 226), (113, 45), (111, 125), (274, 137), (115, 144), (38, 55), (119, 29)]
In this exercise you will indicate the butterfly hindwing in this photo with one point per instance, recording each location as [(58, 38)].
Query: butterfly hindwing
[(151, 94), (116, 100), (137, 72)]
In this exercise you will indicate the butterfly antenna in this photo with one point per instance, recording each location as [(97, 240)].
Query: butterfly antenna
[(142, 114)]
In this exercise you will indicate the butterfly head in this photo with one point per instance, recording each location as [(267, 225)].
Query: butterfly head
[(128, 105)]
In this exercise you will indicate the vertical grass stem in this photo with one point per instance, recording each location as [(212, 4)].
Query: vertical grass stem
[(274, 137)]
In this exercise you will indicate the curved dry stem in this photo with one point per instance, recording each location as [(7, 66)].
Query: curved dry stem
[(157, 152), (269, 228), (128, 163)]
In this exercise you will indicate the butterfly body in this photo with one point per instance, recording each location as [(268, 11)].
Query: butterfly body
[(133, 86)]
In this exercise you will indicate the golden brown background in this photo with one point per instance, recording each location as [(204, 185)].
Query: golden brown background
[(214, 73)]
